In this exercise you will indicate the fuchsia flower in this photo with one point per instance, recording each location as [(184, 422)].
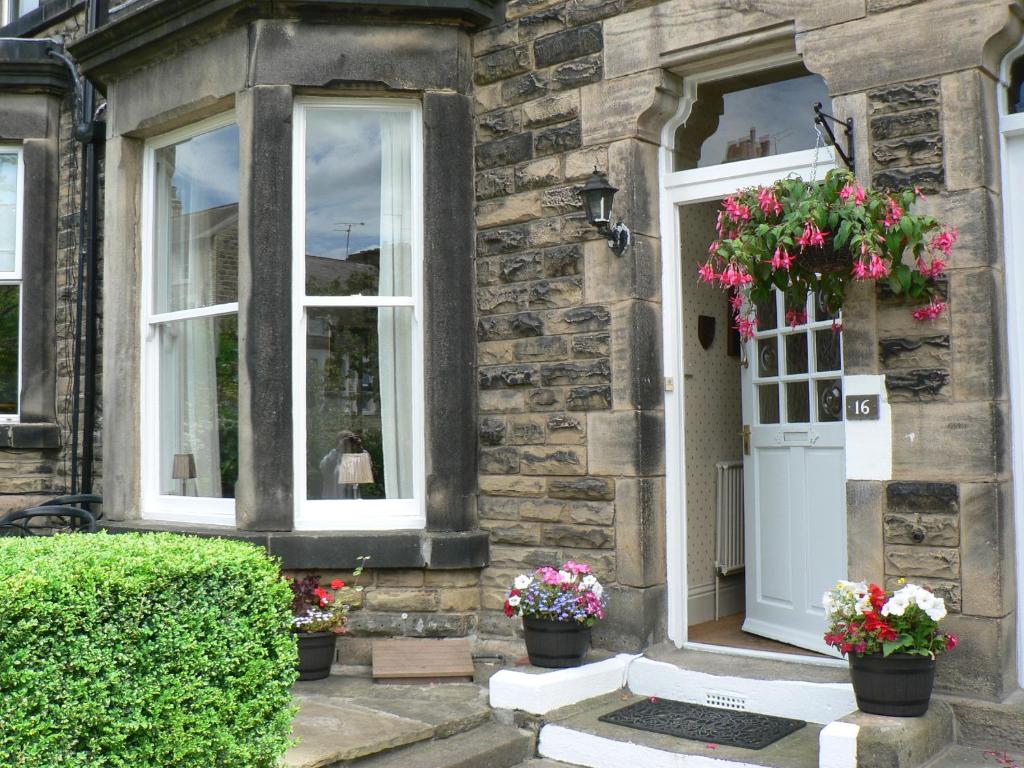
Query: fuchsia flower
[(795, 317), (736, 302), (747, 327), (856, 191), (932, 311), (877, 268), (812, 236), (781, 259), (707, 273), (937, 267), (737, 211), (944, 241), (767, 201), (735, 276), (952, 641), (893, 213), (577, 568), (548, 575)]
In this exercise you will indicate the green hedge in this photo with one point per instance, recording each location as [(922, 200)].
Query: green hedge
[(148, 651)]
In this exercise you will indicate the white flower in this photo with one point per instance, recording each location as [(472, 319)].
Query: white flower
[(597, 589), (895, 605), (522, 582), (565, 577), (934, 606), (514, 600), (588, 581)]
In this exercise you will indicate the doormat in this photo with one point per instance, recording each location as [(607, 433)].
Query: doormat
[(749, 730)]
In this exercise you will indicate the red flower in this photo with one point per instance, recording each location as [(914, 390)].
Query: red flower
[(508, 609), (952, 641), (337, 584), (877, 597)]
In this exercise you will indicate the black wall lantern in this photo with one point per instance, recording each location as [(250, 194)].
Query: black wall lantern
[(597, 199)]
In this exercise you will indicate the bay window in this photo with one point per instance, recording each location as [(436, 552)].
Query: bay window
[(11, 180), (357, 347), (189, 308)]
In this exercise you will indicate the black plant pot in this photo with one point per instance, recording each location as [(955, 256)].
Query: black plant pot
[(316, 654), (898, 686), (555, 644)]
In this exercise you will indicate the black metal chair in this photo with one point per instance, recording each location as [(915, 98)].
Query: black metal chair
[(57, 515)]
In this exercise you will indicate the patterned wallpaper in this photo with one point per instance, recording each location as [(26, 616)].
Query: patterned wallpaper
[(711, 392)]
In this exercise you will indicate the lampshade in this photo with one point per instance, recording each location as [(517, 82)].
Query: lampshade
[(597, 198), (355, 468), (184, 466)]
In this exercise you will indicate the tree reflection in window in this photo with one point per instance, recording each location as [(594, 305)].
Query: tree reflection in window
[(10, 312), (1016, 93)]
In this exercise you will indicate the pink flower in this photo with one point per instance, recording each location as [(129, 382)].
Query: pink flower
[(893, 213), (781, 259), (707, 273), (574, 567), (932, 311), (944, 241), (952, 641), (919, 193), (795, 317), (767, 201), (734, 276), (877, 268), (714, 246), (856, 191), (860, 270), (937, 267), (812, 236), (736, 302), (736, 210), (548, 575), (746, 327)]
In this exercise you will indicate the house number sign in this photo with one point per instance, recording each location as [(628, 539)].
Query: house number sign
[(862, 407)]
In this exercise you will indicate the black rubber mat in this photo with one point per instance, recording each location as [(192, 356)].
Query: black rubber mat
[(708, 724)]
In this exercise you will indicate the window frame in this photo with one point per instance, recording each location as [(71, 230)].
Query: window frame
[(154, 505), (15, 276), (356, 514)]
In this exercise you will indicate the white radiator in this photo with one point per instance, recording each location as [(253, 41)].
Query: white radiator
[(728, 522)]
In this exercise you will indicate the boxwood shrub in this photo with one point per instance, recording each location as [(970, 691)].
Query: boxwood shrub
[(143, 650)]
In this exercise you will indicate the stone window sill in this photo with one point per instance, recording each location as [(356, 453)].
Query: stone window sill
[(47, 14), (338, 550), (30, 435)]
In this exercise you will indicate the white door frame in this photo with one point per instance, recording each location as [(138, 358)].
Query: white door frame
[(682, 187), (1011, 128)]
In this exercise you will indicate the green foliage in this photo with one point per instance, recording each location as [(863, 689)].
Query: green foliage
[(143, 651)]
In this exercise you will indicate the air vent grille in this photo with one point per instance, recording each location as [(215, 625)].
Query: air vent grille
[(725, 701)]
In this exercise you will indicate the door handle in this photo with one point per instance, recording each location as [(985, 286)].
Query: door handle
[(745, 434)]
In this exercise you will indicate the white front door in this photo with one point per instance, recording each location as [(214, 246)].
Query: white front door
[(794, 473)]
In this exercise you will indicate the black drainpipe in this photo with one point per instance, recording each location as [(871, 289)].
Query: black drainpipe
[(89, 132)]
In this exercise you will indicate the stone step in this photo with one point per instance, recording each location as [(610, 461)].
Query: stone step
[(545, 763), (985, 723), (576, 735), (487, 746), (902, 742), (960, 756)]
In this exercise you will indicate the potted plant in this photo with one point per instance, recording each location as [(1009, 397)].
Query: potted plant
[(800, 237), (558, 607), (891, 640), (318, 617)]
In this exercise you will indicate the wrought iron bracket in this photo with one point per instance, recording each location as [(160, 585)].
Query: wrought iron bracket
[(823, 119), (619, 237)]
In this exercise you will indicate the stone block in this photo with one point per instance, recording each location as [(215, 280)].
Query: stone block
[(507, 532), (987, 559), (522, 559), (601, 561), (501, 401), (864, 530), (936, 562), (640, 531), (502, 64), (527, 429), (554, 461), (584, 11), (500, 240), (400, 577), (915, 352), (592, 513), (949, 591), (563, 261), (983, 665), (518, 267), (633, 165), (636, 355), (501, 299), (581, 163), (459, 599), (498, 124), (545, 232), (513, 209), (929, 178), (636, 274), (495, 183), (495, 38), (582, 319), (592, 397), (544, 172), (590, 372), (498, 508), (464, 578), (909, 498), (396, 599), (542, 23), (561, 200), (926, 435), (516, 9), (499, 461), (557, 292), (581, 536), (566, 429), (903, 97), (542, 511), (592, 345), (540, 348), (975, 214), (577, 73), (931, 530), (917, 385), (505, 485), (546, 399), (916, 150), (558, 138), (636, 619), (552, 109), (522, 88), (508, 376), (507, 151), (487, 98), (970, 123), (625, 443), (568, 44), (979, 333), (517, 326), (860, 330), (421, 622), (583, 488)]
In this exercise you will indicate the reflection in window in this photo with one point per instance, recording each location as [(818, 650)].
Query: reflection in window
[(10, 324), (10, 286), (195, 276), (1016, 92), (757, 115)]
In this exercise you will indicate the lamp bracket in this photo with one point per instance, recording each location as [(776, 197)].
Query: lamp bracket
[(823, 119), (619, 236)]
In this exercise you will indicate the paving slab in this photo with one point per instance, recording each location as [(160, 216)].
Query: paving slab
[(976, 757), (488, 746)]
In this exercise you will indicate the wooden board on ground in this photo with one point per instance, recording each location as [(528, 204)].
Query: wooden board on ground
[(422, 661)]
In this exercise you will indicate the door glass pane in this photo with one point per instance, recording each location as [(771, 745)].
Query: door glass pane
[(8, 210), (359, 399), (767, 315), (767, 357), (768, 403), (199, 407), (821, 312), (796, 353), (10, 311), (827, 350), (196, 221), (798, 407), (358, 202), (830, 400)]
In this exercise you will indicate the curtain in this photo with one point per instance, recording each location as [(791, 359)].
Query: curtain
[(394, 325)]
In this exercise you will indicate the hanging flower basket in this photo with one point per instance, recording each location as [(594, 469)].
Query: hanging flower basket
[(799, 237)]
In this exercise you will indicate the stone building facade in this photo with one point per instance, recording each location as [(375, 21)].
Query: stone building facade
[(547, 431)]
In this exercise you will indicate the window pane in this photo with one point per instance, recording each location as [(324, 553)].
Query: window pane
[(766, 315), (358, 202), (767, 357), (768, 403), (10, 311), (199, 407), (196, 221), (796, 353), (798, 407), (829, 354), (8, 210), (21, 7), (359, 399), (830, 400), (764, 120)]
